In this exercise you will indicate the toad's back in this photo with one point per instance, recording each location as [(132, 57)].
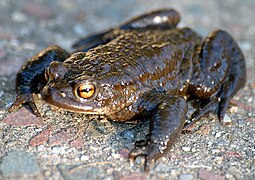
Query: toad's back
[(152, 57)]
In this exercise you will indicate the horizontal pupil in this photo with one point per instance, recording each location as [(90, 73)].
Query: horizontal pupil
[(85, 90)]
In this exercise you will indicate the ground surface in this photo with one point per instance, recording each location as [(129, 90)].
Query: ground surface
[(63, 145)]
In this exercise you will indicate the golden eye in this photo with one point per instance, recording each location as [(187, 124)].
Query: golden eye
[(86, 91)]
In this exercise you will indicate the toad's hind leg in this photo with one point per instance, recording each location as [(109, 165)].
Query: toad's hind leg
[(236, 78), (219, 72), (161, 19)]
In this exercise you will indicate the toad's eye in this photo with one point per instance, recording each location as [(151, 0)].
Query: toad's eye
[(85, 91)]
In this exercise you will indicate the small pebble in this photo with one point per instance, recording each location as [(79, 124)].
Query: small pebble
[(250, 99), (215, 151), (116, 156), (139, 160), (227, 119), (210, 143), (229, 176), (59, 150), (47, 173), (186, 177), (41, 148), (186, 148), (162, 168), (38, 130), (93, 148), (164, 159), (221, 143), (218, 134), (233, 145), (193, 150), (218, 160), (84, 158), (56, 150), (233, 110)]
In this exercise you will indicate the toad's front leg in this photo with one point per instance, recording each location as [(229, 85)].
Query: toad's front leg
[(31, 79), (166, 123)]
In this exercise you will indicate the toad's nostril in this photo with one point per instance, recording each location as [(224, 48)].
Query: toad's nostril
[(62, 93)]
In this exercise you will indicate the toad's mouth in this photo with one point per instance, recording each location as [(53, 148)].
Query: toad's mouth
[(67, 101)]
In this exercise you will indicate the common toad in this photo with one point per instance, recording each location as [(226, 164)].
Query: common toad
[(146, 68)]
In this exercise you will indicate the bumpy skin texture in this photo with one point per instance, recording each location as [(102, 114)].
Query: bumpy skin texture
[(144, 69)]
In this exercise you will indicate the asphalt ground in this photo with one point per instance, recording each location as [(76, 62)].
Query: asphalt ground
[(64, 145)]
